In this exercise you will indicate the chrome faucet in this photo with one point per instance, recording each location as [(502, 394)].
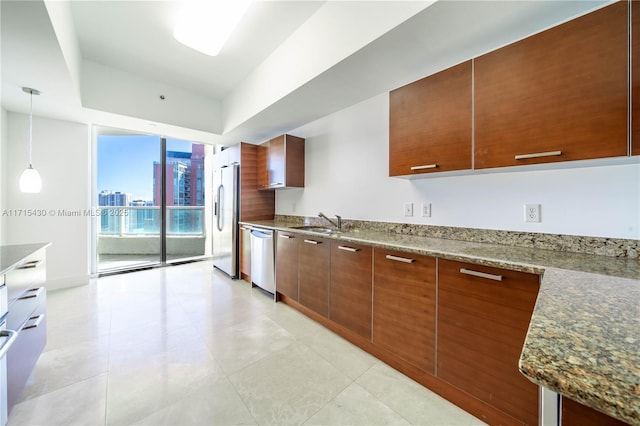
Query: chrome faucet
[(337, 223)]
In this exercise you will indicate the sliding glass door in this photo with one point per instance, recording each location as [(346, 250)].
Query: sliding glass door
[(151, 199)]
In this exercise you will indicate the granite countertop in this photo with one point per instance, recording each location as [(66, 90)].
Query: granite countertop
[(584, 334), (12, 255)]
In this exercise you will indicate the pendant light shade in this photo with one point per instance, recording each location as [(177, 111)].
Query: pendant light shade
[(30, 180)]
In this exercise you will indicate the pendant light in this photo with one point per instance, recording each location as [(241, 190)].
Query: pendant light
[(30, 179)]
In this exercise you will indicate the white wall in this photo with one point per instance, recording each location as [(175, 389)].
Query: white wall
[(3, 150), (60, 154), (347, 174)]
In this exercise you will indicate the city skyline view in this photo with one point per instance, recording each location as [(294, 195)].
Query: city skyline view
[(126, 163)]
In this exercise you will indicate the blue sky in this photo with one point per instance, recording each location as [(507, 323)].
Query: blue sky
[(125, 163)]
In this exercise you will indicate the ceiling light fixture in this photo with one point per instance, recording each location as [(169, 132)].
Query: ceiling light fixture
[(30, 180), (205, 25)]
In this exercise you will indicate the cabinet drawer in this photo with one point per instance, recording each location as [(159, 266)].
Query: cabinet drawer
[(23, 307), (30, 273), (404, 306), (24, 353)]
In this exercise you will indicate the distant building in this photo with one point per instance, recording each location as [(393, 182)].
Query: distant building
[(184, 187), (185, 178), (114, 198)]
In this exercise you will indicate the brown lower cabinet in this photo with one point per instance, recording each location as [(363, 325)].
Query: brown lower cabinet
[(287, 264), (351, 287), (314, 255), (483, 317), (457, 334), (576, 414), (404, 306)]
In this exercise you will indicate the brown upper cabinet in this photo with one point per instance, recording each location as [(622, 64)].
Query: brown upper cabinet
[(281, 163), (558, 95), (635, 78), (430, 123)]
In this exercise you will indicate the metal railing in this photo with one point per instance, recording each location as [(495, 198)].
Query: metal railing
[(145, 220)]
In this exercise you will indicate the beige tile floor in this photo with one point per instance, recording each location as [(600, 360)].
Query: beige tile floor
[(186, 345)]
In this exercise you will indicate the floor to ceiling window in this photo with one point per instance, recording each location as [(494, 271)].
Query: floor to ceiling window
[(151, 195)]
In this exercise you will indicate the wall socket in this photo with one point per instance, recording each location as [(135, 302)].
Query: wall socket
[(426, 209), (408, 209), (532, 213)]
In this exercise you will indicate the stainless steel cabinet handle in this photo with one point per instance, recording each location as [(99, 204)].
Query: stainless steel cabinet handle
[(12, 336), (538, 155), (276, 183), (400, 259), (313, 242), (426, 166), (285, 236), (481, 274), (33, 322), (30, 265), (32, 293), (351, 249)]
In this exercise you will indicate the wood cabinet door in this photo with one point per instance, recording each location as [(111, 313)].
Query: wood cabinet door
[(276, 162), (430, 123), (351, 287), (558, 95), (482, 323), (254, 204), (576, 414), (404, 306), (294, 161), (635, 78), (314, 255), (262, 163), (287, 264)]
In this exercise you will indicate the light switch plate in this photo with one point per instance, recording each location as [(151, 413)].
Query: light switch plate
[(408, 209), (426, 209)]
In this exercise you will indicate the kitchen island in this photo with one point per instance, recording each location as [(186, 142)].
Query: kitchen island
[(23, 275), (585, 328)]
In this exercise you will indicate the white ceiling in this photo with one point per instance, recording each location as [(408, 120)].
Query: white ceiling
[(289, 62)]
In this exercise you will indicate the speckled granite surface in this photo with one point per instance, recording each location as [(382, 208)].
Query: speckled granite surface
[(584, 335), (615, 247)]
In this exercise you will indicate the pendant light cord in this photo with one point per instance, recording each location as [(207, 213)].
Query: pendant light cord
[(30, 128)]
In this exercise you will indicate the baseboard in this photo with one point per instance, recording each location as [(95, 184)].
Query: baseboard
[(67, 282)]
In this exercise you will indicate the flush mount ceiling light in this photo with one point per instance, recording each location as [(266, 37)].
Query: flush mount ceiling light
[(205, 25), (30, 179)]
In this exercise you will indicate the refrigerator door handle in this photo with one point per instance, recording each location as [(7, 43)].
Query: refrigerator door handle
[(220, 206)]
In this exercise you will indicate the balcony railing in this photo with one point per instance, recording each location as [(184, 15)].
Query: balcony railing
[(131, 235), (145, 220)]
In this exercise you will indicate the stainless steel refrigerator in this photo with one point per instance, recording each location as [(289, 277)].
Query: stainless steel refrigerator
[(225, 219)]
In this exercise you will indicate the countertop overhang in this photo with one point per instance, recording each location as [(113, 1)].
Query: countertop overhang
[(584, 333), (12, 255)]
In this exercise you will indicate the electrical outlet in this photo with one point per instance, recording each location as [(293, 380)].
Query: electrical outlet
[(426, 209), (532, 213), (408, 209)]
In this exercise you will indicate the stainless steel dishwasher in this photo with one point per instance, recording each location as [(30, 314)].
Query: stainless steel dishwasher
[(262, 259)]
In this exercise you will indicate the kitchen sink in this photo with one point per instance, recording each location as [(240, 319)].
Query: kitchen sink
[(320, 229)]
